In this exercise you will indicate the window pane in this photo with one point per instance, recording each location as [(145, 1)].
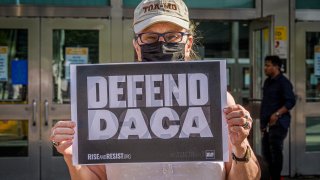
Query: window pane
[(205, 3), (243, 39), (58, 2), (220, 4), (245, 78), (13, 138), (313, 134), (71, 47), (216, 37), (227, 40), (312, 56), (13, 66), (307, 4)]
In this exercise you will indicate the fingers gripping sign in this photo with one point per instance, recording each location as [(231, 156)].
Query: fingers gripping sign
[(239, 123), (62, 136)]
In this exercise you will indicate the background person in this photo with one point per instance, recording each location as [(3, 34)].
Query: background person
[(163, 33), (278, 99)]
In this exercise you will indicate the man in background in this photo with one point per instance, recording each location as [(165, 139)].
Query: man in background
[(278, 100)]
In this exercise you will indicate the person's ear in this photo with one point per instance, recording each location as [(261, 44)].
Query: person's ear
[(137, 49), (188, 47)]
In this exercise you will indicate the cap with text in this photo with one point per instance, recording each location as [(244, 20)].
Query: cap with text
[(149, 12)]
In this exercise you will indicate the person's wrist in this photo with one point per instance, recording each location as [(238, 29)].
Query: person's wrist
[(245, 158), (240, 150), (277, 114), (67, 158)]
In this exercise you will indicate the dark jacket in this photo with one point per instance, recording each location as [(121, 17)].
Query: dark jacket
[(277, 92)]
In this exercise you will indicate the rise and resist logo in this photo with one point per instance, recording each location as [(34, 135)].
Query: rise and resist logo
[(160, 93)]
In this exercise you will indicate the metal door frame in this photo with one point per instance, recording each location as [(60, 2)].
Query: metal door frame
[(52, 165), (21, 167), (304, 109), (256, 84), (257, 25), (256, 89)]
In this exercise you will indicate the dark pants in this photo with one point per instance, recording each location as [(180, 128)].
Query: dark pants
[(272, 146)]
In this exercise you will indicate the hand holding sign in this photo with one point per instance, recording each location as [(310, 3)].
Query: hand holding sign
[(62, 136), (239, 125)]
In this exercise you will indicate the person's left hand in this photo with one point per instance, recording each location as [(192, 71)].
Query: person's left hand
[(239, 124)]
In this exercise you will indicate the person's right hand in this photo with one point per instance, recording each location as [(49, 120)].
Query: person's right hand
[(62, 134), (273, 119)]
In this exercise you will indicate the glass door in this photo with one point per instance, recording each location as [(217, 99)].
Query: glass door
[(227, 40), (261, 45), (238, 79), (65, 42), (307, 137), (261, 33), (19, 98), (34, 93)]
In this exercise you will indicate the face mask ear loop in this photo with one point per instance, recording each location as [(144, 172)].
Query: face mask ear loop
[(136, 38), (186, 44), (187, 39)]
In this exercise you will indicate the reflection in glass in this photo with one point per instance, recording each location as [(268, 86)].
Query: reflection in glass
[(71, 46), (216, 37), (313, 134), (13, 65), (243, 40), (245, 78), (226, 40), (13, 138), (261, 50), (312, 80), (223, 39)]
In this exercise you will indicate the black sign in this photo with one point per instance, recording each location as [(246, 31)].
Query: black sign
[(149, 112)]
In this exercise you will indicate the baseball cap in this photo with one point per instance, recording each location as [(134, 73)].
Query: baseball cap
[(149, 12)]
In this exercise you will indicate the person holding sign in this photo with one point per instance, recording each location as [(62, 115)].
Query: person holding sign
[(163, 33)]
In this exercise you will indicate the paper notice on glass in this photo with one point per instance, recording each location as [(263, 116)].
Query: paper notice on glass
[(75, 55), (281, 42), (317, 60), (3, 63), (149, 112)]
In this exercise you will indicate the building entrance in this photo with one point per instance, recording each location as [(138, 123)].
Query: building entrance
[(35, 55), (307, 126)]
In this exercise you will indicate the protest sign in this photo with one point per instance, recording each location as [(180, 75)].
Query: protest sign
[(149, 112)]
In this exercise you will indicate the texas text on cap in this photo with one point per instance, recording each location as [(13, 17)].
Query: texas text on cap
[(149, 12)]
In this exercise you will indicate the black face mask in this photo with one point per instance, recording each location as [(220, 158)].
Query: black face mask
[(162, 51)]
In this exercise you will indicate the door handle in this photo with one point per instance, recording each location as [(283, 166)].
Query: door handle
[(46, 112), (34, 113)]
